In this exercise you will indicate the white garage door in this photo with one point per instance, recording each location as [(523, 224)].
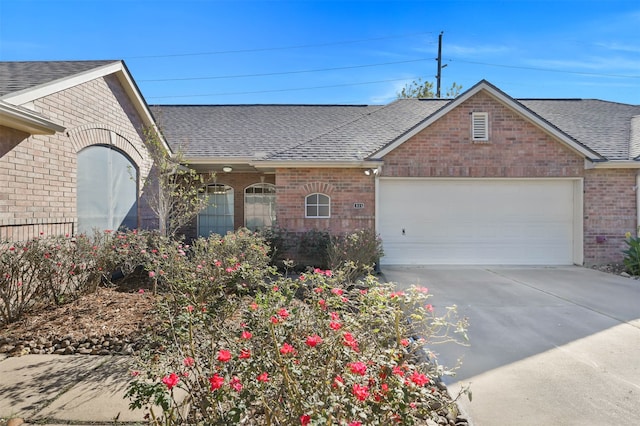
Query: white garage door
[(479, 221)]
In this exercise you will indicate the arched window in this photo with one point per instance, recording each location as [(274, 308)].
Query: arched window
[(107, 190), (317, 206), (260, 206), (217, 217)]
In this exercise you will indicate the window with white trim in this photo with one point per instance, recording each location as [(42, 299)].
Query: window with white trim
[(217, 217), (260, 206), (317, 206), (480, 126)]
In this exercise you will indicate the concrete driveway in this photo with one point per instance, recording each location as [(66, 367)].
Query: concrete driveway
[(549, 345)]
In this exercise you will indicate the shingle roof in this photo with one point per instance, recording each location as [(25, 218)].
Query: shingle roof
[(18, 76), (359, 139), (242, 131), (352, 133), (603, 126)]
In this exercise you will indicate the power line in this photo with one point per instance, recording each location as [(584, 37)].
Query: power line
[(283, 72), (545, 69), (282, 90), (269, 49)]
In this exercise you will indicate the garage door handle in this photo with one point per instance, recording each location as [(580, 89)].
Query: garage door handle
[(403, 233)]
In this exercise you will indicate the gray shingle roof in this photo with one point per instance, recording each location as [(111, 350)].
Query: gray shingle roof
[(603, 126), (244, 130), (359, 139), (18, 76), (352, 133)]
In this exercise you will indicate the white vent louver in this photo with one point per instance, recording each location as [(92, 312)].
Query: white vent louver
[(480, 126)]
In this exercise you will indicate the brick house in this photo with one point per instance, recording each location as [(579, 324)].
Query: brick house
[(480, 179), (71, 148)]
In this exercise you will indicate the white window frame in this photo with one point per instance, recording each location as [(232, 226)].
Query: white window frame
[(215, 222), (248, 193), (480, 126), (317, 204)]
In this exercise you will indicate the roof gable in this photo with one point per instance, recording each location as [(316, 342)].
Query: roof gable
[(506, 100), (23, 82)]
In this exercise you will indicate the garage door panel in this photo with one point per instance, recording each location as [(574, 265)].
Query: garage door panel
[(476, 221)]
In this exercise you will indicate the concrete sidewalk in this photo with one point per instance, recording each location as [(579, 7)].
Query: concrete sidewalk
[(556, 345), (62, 389)]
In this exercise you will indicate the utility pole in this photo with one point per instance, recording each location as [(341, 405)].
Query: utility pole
[(439, 75)]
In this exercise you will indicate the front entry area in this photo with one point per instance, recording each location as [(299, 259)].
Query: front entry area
[(480, 221)]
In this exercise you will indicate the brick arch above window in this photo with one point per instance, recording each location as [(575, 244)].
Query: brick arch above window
[(107, 135), (319, 187)]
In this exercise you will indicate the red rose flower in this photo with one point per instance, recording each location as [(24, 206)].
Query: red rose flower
[(171, 380), (358, 368), (235, 384), (224, 355), (263, 377), (419, 378), (287, 349), (313, 341), (216, 382), (360, 392)]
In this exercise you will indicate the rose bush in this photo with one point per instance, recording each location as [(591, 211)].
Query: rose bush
[(43, 271), (314, 350)]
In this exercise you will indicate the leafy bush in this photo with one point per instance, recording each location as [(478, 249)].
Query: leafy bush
[(312, 248), (43, 271), (359, 251), (334, 356), (211, 267), (122, 255), (280, 243), (632, 254)]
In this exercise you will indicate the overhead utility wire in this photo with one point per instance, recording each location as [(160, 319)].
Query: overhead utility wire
[(283, 72), (545, 69), (280, 90), (268, 49)]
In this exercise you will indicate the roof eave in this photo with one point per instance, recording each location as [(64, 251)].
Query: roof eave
[(357, 164), (612, 164), (21, 119)]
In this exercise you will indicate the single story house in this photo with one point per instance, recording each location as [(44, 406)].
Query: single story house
[(480, 179)]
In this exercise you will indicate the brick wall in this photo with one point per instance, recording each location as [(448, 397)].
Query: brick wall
[(344, 186), (239, 182), (517, 148), (38, 173), (609, 212)]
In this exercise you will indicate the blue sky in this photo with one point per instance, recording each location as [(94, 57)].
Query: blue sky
[(337, 52)]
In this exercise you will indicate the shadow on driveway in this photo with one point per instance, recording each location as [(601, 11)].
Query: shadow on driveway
[(548, 345), (517, 312)]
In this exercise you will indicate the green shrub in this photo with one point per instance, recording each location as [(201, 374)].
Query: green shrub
[(19, 285), (280, 243), (356, 252), (335, 356), (211, 267), (43, 271), (632, 254), (312, 248)]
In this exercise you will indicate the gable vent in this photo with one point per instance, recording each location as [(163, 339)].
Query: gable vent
[(480, 126)]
